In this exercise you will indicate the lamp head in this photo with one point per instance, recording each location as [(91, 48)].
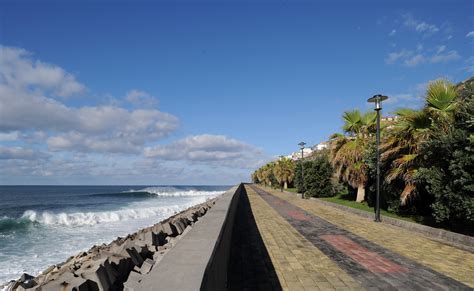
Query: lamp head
[(302, 144), (377, 99)]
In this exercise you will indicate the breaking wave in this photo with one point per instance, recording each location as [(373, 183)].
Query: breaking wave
[(8, 224), (174, 192), (93, 218)]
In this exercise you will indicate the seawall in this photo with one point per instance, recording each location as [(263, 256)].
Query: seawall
[(188, 251)]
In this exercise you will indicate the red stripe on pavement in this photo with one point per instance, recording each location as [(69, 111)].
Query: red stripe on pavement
[(370, 260)]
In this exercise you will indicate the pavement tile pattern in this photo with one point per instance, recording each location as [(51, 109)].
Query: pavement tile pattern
[(298, 264), (374, 267), (446, 259)]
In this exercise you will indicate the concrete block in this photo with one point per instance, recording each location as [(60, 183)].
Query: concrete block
[(133, 282), (96, 272), (169, 229), (135, 256), (159, 238), (147, 266)]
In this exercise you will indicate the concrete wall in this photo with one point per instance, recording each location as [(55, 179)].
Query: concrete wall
[(199, 260)]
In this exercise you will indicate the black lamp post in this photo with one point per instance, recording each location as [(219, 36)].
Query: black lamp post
[(377, 99), (302, 144)]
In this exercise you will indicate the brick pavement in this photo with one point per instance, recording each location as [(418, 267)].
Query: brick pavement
[(445, 259), (316, 247), (299, 265)]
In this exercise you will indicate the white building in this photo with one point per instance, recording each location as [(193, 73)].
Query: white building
[(297, 155), (321, 146)]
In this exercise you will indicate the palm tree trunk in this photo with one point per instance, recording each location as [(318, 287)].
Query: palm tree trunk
[(285, 185), (360, 193)]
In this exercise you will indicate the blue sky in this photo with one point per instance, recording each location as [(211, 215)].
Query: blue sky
[(203, 92)]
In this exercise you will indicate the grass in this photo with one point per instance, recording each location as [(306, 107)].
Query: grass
[(338, 199), (342, 199), (293, 190)]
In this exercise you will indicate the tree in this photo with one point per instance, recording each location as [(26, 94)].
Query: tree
[(266, 174), (317, 177), (284, 172), (401, 149), (403, 146), (347, 151), (449, 178), (299, 185)]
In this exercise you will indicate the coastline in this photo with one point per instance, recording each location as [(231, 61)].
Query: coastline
[(109, 265)]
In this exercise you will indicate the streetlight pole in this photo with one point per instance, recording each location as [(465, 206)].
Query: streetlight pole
[(377, 99), (302, 144)]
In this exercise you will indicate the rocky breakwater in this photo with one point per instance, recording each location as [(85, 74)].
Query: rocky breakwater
[(118, 265)]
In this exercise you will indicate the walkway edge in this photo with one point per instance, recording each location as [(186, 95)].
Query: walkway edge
[(199, 260), (451, 238)]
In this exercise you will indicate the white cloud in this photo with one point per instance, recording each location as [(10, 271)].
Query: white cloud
[(441, 57), (20, 71), (141, 98), (54, 139), (418, 25), (210, 149), (441, 49), (8, 153), (414, 60), (9, 136), (393, 32), (469, 65), (393, 57), (26, 106), (470, 34)]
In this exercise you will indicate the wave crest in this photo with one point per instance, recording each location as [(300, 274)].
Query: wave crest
[(175, 192), (8, 224), (93, 218)]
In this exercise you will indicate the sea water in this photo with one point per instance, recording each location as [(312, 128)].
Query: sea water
[(44, 225)]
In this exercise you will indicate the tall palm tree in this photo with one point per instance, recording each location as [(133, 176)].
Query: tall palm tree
[(347, 151), (441, 102), (403, 145), (284, 171), (259, 174), (267, 172)]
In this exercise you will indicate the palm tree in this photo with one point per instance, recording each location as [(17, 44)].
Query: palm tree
[(267, 172), (259, 174), (284, 171), (403, 145), (441, 102), (347, 151)]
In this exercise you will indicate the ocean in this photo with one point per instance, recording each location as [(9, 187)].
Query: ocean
[(44, 225)]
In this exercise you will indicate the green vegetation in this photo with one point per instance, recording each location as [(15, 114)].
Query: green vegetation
[(317, 177), (427, 161), (342, 200)]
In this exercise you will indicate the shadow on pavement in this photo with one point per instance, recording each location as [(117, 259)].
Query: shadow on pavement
[(250, 266)]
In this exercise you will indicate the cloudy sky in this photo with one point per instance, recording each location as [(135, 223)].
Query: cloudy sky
[(204, 92)]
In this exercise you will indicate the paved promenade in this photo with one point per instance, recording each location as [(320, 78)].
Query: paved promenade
[(297, 244)]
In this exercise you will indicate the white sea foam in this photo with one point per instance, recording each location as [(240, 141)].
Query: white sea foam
[(93, 218), (78, 231), (174, 192), (129, 213)]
